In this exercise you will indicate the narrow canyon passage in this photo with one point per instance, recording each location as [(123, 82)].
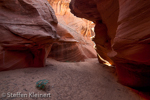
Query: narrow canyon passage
[(87, 80), (60, 48)]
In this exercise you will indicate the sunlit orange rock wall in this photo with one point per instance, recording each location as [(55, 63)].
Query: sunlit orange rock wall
[(122, 35), (79, 28), (72, 46), (64, 16)]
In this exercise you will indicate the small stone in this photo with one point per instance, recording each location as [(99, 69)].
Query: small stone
[(25, 89)]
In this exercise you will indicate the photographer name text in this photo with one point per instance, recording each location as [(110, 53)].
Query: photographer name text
[(23, 95)]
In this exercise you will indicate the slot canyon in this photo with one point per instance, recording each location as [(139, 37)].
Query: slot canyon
[(84, 49)]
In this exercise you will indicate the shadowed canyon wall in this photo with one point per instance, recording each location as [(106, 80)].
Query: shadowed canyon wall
[(29, 30), (26, 33), (122, 35)]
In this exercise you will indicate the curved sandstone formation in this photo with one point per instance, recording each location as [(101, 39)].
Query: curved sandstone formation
[(122, 35), (78, 29), (105, 19), (132, 43), (72, 46), (30, 32), (82, 26), (26, 33)]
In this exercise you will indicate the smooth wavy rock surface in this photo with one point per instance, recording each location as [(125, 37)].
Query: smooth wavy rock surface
[(64, 16), (72, 46), (26, 33), (122, 35), (71, 28), (29, 29)]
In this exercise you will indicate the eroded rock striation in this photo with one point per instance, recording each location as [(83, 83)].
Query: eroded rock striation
[(122, 35), (64, 16), (79, 29), (72, 46), (30, 32), (26, 33)]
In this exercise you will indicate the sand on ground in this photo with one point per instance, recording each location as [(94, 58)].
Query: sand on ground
[(87, 80)]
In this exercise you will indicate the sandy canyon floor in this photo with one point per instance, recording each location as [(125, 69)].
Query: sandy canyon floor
[(87, 80)]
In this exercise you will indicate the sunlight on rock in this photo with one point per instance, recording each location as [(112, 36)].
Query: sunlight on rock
[(106, 62)]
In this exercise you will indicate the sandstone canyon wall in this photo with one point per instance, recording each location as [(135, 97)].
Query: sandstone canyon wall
[(26, 33), (80, 29), (72, 46), (122, 35), (62, 10), (30, 32)]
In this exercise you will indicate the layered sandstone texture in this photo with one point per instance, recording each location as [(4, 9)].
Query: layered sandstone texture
[(80, 30), (105, 19), (72, 46), (26, 33), (30, 32), (122, 35), (62, 11)]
